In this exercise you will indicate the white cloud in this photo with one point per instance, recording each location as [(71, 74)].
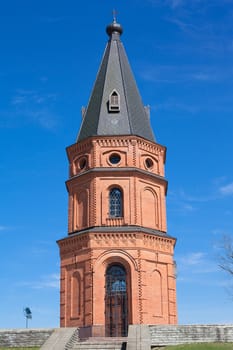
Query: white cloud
[(31, 96), (203, 76), (227, 189), (188, 207), (197, 198), (221, 232), (31, 106), (173, 74), (3, 228), (193, 258), (213, 282), (196, 263), (172, 105), (45, 118), (171, 3), (49, 281), (175, 4)]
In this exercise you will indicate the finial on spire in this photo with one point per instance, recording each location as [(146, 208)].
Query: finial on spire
[(114, 27)]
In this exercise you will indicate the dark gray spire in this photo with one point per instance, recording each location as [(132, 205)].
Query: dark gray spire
[(115, 106)]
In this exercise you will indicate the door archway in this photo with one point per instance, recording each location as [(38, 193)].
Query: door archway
[(116, 301)]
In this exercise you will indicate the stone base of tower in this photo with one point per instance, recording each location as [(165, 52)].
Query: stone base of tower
[(92, 331), (146, 294)]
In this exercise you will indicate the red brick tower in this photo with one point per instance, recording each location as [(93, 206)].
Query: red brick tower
[(117, 264)]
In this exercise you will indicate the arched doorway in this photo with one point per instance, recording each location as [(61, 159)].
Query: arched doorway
[(116, 301)]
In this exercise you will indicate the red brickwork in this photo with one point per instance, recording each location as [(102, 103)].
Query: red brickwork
[(136, 240)]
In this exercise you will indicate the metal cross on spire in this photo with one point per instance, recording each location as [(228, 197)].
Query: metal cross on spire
[(114, 13)]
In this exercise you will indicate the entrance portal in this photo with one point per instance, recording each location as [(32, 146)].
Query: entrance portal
[(116, 304)]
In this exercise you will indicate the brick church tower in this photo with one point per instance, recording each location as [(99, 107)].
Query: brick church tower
[(117, 264)]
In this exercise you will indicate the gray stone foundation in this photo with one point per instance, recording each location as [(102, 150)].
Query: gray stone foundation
[(140, 337)]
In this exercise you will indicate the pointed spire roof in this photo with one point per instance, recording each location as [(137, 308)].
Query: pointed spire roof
[(115, 106)]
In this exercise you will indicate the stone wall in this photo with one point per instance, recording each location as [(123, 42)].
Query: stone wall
[(141, 337), (24, 337), (172, 335)]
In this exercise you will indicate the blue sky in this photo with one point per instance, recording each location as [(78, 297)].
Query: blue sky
[(181, 54)]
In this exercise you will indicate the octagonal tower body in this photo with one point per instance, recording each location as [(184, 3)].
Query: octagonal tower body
[(117, 264)]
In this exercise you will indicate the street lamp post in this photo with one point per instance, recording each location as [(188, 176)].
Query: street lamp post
[(27, 314)]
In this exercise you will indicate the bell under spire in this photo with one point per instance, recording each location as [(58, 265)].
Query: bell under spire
[(115, 106)]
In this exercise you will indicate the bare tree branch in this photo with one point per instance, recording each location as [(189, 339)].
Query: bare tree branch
[(226, 259)]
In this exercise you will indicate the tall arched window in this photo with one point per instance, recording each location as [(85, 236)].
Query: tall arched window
[(115, 203)]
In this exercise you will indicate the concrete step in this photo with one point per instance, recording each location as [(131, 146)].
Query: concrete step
[(97, 346), (61, 339), (99, 343)]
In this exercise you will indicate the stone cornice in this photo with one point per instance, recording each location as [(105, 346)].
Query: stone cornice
[(119, 239), (126, 170), (118, 230)]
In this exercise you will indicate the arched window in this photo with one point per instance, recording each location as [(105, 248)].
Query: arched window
[(115, 203), (116, 279), (114, 102)]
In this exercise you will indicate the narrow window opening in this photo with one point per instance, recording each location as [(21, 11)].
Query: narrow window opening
[(114, 102), (115, 203)]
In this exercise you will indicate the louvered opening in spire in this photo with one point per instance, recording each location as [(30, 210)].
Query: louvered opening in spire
[(114, 101)]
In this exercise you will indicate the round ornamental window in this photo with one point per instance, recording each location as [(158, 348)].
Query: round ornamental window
[(149, 163), (114, 158), (82, 163)]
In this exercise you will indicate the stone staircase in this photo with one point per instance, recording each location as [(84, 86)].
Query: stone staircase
[(100, 344), (73, 340), (62, 339), (68, 339)]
